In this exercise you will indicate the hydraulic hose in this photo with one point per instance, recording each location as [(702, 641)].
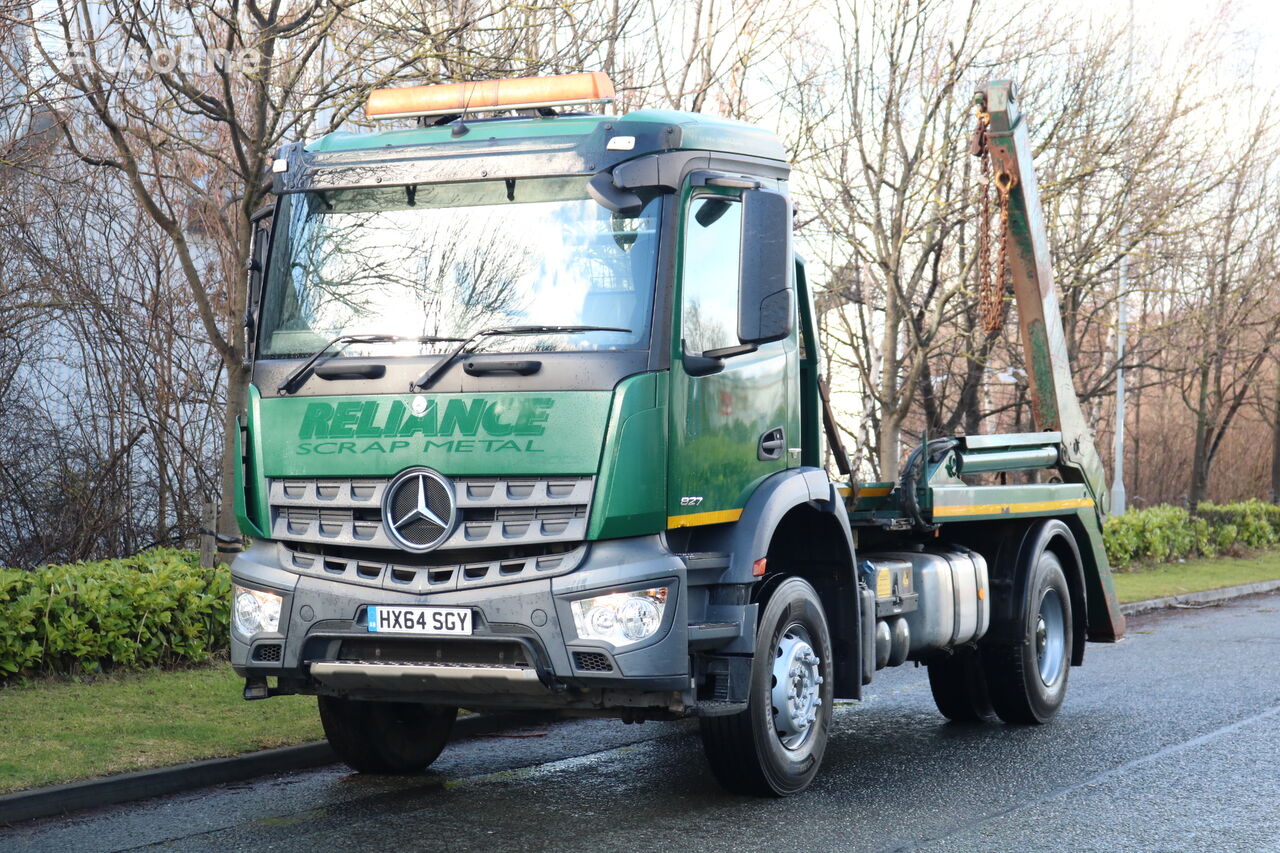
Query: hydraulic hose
[(931, 451)]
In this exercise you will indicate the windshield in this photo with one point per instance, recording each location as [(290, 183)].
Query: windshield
[(447, 260)]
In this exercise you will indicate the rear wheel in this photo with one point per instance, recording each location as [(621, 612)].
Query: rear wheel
[(775, 746), (1028, 680), (385, 737), (959, 687)]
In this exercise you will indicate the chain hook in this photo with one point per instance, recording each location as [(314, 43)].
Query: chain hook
[(990, 293)]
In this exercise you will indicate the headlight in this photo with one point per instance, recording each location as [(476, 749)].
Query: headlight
[(254, 611), (620, 618)]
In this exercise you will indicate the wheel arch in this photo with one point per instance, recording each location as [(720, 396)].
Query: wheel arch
[(1053, 535), (799, 505), (1010, 547), (805, 533)]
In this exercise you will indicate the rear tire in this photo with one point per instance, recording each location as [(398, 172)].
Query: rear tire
[(385, 737), (959, 687), (775, 746), (1027, 680)]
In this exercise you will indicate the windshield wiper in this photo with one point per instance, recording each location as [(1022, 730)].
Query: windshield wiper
[(295, 380), (432, 373)]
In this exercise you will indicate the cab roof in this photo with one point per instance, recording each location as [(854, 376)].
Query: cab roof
[(692, 131)]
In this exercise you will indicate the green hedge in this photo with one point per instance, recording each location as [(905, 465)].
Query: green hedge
[(154, 608), (1164, 533)]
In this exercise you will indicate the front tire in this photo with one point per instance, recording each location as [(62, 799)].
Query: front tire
[(775, 746), (385, 737), (1028, 679)]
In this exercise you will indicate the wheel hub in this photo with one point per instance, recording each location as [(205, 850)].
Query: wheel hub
[(796, 693), (1051, 637)]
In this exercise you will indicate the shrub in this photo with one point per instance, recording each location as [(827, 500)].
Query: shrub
[(154, 608), (1163, 533)]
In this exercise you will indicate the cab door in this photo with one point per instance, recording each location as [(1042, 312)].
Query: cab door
[(734, 419)]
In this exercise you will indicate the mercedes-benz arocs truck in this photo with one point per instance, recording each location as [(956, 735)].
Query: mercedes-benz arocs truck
[(536, 422)]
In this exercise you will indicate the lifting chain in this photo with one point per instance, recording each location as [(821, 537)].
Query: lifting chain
[(991, 280)]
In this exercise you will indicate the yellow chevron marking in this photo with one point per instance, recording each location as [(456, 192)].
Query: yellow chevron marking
[(719, 516), (1003, 509)]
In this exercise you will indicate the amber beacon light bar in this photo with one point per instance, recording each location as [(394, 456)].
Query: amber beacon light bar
[(490, 95)]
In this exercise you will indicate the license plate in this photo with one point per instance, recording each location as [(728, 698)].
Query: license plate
[(447, 621)]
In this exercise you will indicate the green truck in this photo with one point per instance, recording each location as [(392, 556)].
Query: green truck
[(536, 422)]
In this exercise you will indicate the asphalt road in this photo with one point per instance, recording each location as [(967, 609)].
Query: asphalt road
[(1169, 740)]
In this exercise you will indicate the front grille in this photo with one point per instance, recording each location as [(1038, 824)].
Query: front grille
[(434, 572), (267, 653), (434, 651), (494, 512), (592, 662), (508, 530)]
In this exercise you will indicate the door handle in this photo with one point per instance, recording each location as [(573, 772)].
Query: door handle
[(771, 445)]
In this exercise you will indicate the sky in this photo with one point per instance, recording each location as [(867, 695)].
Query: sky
[(1254, 26)]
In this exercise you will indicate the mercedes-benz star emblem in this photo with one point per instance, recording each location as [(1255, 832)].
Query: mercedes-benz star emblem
[(419, 510)]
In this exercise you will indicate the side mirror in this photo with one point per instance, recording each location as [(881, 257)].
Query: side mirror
[(765, 296)]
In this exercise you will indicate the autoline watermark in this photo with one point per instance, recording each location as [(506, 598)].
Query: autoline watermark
[(187, 56)]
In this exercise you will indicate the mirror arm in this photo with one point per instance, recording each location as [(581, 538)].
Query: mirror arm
[(712, 360), (730, 352), (610, 197)]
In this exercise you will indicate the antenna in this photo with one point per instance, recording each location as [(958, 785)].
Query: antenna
[(460, 127)]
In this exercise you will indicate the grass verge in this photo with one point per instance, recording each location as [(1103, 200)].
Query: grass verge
[(60, 731), (1142, 584)]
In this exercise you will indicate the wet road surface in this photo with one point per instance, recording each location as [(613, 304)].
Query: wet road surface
[(1169, 740)]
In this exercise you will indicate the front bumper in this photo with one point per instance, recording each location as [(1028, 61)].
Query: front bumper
[(523, 652)]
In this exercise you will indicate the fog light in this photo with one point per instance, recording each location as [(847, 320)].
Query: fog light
[(620, 618), (254, 611)]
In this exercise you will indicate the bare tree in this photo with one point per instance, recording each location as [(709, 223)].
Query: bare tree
[(188, 101)]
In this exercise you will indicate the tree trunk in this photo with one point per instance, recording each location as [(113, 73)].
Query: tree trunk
[(890, 421), (1200, 453)]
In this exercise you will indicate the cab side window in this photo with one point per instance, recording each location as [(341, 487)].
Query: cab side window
[(712, 240)]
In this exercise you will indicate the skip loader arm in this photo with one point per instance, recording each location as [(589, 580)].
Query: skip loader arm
[(1054, 405)]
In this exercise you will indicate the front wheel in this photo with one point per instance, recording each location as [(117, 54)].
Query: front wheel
[(385, 737), (775, 746), (1027, 680)]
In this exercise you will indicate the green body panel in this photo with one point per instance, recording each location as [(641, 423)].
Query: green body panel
[(697, 132), (702, 132), (631, 493), (867, 498), (1106, 624), (716, 423), (500, 433), (250, 488), (980, 503), (1042, 365)]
